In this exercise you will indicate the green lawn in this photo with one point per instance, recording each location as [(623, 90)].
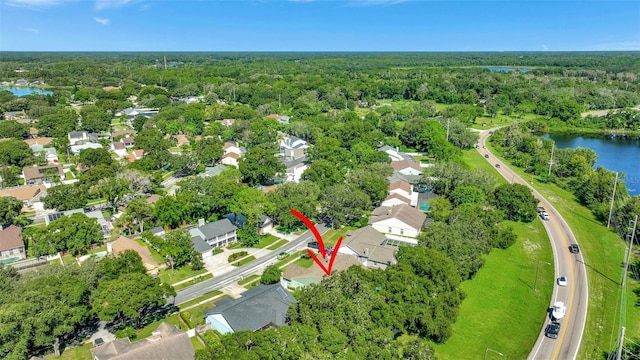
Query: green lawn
[(501, 310), (304, 261), (199, 299), (475, 160), (198, 279), (603, 252), (248, 279), (244, 260), (197, 344), (330, 239), (265, 241), (277, 244), (77, 353), (290, 258), (154, 254), (179, 274), (96, 202)]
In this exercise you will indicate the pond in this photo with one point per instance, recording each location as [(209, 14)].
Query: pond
[(618, 154), (506, 70)]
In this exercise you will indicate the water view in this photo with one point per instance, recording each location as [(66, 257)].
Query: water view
[(23, 91), (614, 154), (506, 70)]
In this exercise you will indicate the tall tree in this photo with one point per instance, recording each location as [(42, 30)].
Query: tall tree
[(259, 165), (10, 209)]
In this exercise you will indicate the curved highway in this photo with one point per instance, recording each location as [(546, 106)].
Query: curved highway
[(575, 294)]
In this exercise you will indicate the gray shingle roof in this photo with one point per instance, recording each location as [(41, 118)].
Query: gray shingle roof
[(368, 242), (217, 228), (257, 308), (405, 213), (200, 245)]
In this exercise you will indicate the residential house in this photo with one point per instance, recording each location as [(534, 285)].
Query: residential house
[(37, 175), (260, 308), (295, 169), (105, 225), (395, 154), (135, 155), (231, 159), (264, 225), (401, 222), (22, 82), (124, 133), (407, 167), (111, 88), (27, 194), (282, 119), (119, 148), (14, 115), (215, 234), (82, 137), (226, 122), (167, 342), (128, 142), (292, 148), (401, 192), (158, 231), (133, 112), (180, 140), (42, 141), (369, 247), (76, 149), (232, 147), (153, 199), (49, 153), (296, 277), (11, 244), (123, 244)]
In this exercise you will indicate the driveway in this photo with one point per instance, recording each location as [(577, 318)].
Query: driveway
[(103, 333)]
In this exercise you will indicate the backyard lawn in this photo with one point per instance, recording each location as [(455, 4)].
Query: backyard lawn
[(265, 241)]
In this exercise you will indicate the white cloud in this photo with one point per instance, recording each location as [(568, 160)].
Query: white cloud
[(544, 47), (32, 3), (110, 4), (102, 21)]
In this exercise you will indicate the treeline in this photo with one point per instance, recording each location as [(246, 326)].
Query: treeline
[(52, 307)]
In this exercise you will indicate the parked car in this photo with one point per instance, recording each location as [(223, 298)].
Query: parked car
[(544, 215), (562, 281), (574, 249), (313, 245), (498, 166), (283, 255), (486, 156), (541, 209), (552, 330), (97, 342)]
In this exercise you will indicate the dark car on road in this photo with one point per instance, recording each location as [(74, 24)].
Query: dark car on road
[(486, 156), (574, 249), (313, 245), (498, 166), (552, 330)]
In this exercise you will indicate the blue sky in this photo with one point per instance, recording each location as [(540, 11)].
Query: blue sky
[(318, 25)]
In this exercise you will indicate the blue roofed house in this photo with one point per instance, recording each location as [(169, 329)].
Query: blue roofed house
[(260, 308), (206, 237)]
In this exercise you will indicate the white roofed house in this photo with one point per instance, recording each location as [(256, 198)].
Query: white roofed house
[(401, 192), (232, 153), (407, 167), (402, 222), (81, 137)]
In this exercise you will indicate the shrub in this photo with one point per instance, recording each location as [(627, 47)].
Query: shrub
[(236, 256)]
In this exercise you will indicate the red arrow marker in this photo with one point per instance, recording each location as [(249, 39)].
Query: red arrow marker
[(316, 234)]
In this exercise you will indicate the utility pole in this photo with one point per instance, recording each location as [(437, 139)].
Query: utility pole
[(165, 63), (279, 101), (553, 145), (613, 196), (620, 342), (626, 263)]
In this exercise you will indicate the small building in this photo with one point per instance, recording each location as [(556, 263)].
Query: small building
[(133, 112), (260, 308), (123, 244), (292, 148), (135, 155), (402, 222), (231, 159), (11, 244), (401, 192), (37, 175), (49, 153), (264, 225), (407, 167), (82, 137), (119, 148), (296, 277), (370, 248), (215, 234), (232, 147), (42, 141), (167, 342), (27, 194), (213, 171), (76, 149), (226, 122), (395, 154)]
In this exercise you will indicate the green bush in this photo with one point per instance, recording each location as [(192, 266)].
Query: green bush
[(236, 256), (217, 251), (127, 332)]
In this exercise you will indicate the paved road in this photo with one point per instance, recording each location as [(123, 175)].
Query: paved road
[(574, 295), (221, 281)]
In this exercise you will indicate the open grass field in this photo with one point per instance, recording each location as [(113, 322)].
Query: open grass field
[(265, 241), (77, 353), (304, 261), (603, 252), (502, 311), (199, 299), (154, 254), (185, 272)]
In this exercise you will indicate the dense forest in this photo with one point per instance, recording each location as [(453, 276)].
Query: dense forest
[(346, 106)]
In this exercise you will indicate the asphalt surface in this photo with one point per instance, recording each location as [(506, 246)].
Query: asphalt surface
[(574, 295), (250, 268)]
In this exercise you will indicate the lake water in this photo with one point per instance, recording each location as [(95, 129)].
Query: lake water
[(505, 70), (22, 91), (614, 154)]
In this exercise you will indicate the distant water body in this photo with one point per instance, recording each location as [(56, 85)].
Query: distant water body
[(23, 91), (620, 155), (506, 70)]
